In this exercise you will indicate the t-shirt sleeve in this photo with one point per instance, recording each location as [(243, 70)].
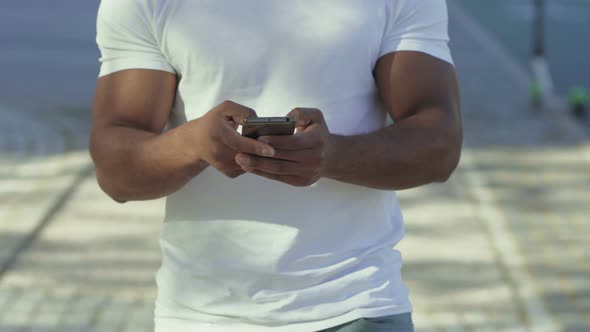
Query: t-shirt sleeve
[(417, 25), (125, 38)]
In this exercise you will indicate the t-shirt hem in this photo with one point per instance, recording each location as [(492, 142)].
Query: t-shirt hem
[(424, 46), (179, 325), (114, 66)]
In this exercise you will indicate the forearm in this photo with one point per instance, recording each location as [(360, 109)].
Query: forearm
[(133, 164), (418, 150)]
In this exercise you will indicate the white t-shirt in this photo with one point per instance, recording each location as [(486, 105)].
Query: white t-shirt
[(251, 254)]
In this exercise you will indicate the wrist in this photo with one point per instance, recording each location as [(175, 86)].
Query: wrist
[(334, 157), (190, 150)]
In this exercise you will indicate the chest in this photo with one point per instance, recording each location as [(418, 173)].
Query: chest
[(241, 43)]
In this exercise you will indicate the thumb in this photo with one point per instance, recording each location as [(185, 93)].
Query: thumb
[(305, 117), (238, 112)]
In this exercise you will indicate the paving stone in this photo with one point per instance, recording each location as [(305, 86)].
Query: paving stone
[(510, 322), (84, 313), (113, 316), (50, 313), (7, 296), (478, 321), (448, 321), (142, 318), (17, 316)]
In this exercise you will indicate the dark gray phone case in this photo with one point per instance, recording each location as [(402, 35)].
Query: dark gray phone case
[(256, 127)]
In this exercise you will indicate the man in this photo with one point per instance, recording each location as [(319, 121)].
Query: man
[(283, 233)]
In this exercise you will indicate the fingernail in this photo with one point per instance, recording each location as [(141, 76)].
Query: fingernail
[(268, 152), (243, 160)]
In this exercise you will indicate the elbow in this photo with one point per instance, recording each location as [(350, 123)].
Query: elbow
[(447, 168), (109, 188), (449, 158), (104, 179)]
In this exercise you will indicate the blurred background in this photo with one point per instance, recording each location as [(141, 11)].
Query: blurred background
[(502, 246)]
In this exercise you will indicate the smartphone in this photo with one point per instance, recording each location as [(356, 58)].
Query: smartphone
[(256, 127)]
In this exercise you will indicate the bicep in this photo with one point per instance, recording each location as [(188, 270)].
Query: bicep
[(137, 85), (410, 81), (137, 98)]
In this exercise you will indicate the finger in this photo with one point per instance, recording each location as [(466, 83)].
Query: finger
[(237, 112), (268, 165), (288, 179), (307, 155), (224, 161), (298, 141), (235, 173), (239, 143), (232, 173), (305, 116)]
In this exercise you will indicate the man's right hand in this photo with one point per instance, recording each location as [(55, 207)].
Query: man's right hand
[(136, 159), (217, 141)]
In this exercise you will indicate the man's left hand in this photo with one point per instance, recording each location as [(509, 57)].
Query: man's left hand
[(299, 159)]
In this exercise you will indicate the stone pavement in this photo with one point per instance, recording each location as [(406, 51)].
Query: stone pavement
[(499, 247)]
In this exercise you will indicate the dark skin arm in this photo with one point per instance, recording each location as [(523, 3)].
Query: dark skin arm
[(421, 147), (130, 110), (135, 161)]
